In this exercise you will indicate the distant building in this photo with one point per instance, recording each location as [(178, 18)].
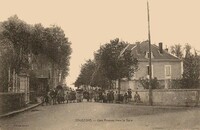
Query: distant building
[(165, 66)]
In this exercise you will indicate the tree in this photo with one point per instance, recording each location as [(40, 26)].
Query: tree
[(145, 83), (188, 50), (15, 41), (22, 42), (38, 40), (90, 74), (86, 73), (6, 58), (177, 50), (58, 49), (100, 80), (191, 66), (17, 32), (51, 43), (114, 65)]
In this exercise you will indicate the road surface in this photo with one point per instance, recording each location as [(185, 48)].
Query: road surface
[(102, 116)]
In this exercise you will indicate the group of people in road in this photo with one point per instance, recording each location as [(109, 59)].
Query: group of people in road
[(115, 97), (53, 97), (103, 96), (58, 95)]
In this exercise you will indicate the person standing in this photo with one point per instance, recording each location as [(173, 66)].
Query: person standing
[(51, 95), (125, 97), (104, 97), (46, 98), (137, 97), (54, 96), (112, 96), (115, 97), (108, 96), (129, 95), (67, 97)]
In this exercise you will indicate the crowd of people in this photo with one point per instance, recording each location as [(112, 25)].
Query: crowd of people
[(53, 97), (115, 97), (58, 95)]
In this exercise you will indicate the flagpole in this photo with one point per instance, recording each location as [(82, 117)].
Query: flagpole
[(150, 69)]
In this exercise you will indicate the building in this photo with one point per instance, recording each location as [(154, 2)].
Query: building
[(47, 75), (165, 66)]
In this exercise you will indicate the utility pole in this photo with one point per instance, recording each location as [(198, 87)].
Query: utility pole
[(150, 75)]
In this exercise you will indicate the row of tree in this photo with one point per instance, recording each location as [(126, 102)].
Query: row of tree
[(22, 43), (109, 64)]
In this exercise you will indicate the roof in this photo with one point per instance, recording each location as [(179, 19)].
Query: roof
[(140, 49)]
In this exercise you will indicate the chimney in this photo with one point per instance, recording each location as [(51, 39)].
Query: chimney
[(161, 47)]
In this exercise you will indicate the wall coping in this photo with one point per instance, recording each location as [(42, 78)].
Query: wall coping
[(166, 90), (11, 93)]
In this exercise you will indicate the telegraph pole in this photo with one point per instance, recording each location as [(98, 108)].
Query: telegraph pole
[(150, 75)]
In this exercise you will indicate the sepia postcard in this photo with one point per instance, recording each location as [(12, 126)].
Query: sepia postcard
[(99, 65)]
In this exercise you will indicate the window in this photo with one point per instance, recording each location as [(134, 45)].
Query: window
[(167, 70), (148, 56), (148, 70)]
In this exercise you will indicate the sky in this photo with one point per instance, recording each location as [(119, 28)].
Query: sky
[(91, 23)]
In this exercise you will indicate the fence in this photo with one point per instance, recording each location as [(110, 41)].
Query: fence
[(171, 97), (11, 102)]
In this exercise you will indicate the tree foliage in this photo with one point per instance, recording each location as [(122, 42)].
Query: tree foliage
[(145, 83), (24, 42), (17, 33), (191, 66), (91, 75), (108, 65), (177, 50), (114, 65), (58, 48), (86, 73)]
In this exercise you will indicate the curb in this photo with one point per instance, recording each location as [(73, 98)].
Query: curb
[(19, 111)]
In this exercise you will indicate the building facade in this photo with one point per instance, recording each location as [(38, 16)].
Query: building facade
[(165, 66)]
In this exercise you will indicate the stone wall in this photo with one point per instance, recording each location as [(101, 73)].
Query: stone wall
[(171, 97), (11, 102)]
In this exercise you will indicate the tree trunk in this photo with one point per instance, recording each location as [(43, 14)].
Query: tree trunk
[(119, 85), (13, 89), (53, 76), (9, 75), (119, 88)]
